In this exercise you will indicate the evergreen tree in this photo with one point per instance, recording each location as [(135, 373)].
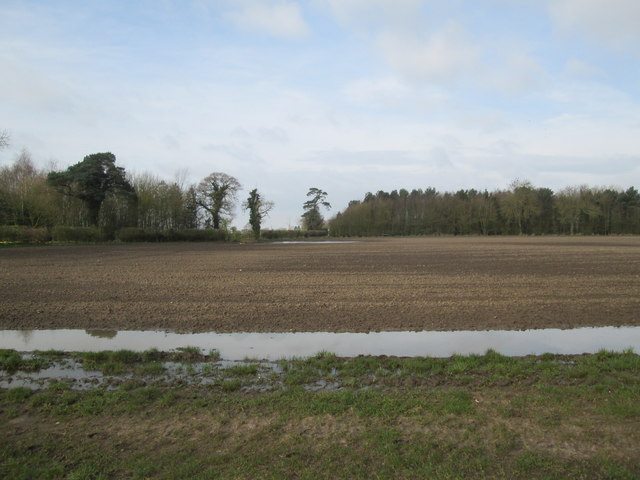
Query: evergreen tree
[(91, 180)]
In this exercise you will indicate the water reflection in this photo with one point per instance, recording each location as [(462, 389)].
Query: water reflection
[(236, 346), (25, 335), (102, 333)]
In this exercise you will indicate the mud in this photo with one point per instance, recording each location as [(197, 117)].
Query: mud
[(371, 285)]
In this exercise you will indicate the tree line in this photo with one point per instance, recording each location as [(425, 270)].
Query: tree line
[(520, 210), (97, 194)]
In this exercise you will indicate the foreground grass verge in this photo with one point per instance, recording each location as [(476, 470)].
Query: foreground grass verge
[(481, 416)]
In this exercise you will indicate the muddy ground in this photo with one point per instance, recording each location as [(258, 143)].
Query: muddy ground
[(371, 285)]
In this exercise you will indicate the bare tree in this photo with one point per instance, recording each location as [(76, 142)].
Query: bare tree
[(25, 197), (4, 139), (521, 205), (217, 194)]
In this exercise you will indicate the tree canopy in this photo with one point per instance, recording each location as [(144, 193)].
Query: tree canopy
[(217, 194), (91, 180), (521, 210), (4, 139), (258, 209), (312, 218)]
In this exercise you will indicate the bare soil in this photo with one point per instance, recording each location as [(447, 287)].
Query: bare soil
[(446, 283)]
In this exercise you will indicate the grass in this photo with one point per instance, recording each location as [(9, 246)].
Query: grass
[(479, 416), (241, 370), (11, 361)]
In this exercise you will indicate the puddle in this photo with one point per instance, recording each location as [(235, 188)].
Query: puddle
[(273, 346), (67, 370), (72, 373)]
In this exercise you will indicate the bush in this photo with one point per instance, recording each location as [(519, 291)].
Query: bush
[(281, 234), (61, 233), (21, 234), (316, 233), (132, 234), (191, 235)]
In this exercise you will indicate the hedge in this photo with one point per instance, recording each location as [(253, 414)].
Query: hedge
[(132, 234), (61, 233), (22, 234)]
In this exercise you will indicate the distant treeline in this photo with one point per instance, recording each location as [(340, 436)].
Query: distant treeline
[(27, 199), (520, 210), (97, 201)]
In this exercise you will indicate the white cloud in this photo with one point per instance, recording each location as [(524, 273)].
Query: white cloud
[(376, 13), (393, 94), (275, 18), (443, 57), (29, 88), (519, 73), (613, 22), (581, 70), (376, 90)]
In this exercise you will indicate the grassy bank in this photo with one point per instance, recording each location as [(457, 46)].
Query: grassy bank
[(481, 416)]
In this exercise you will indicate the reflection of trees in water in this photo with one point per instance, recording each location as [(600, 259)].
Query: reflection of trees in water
[(26, 336), (102, 333)]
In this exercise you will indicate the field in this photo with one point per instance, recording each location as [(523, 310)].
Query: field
[(472, 417), (371, 285)]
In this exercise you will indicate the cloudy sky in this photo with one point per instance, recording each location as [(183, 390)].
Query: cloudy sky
[(346, 95)]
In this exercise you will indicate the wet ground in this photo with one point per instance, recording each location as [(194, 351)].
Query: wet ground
[(73, 373)]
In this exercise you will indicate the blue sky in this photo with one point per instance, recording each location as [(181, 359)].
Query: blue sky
[(346, 95)]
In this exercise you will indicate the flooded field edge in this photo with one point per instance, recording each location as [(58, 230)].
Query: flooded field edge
[(272, 346)]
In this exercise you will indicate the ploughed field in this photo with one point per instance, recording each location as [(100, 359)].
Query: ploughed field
[(381, 284)]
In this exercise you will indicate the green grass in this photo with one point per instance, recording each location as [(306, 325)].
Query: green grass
[(151, 368), (191, 353), (214, 355), (478, 416), (12, 361), (346, 434), (241, 370), (232, 385)]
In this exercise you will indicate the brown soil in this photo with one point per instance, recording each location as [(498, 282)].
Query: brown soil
[(382, 284)]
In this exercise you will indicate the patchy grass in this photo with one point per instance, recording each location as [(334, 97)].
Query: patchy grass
[(241, 370), (481, 416), (12, 361)]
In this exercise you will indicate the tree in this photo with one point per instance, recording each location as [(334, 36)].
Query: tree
[(26, 199), (575, 206), (4, 139), (521, 205), (162, 205), (217, 195), (312, 218), (91, 180), (258, 209)]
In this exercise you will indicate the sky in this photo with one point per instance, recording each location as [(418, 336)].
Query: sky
[(350, 96)]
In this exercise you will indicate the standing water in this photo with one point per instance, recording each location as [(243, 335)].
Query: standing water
[(272, 346)]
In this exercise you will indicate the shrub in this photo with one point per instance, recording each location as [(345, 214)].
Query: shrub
[(316, 233), (22, 234), (194, 235), (190, 235), (281, 234), (61, 233), (133, 234)]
